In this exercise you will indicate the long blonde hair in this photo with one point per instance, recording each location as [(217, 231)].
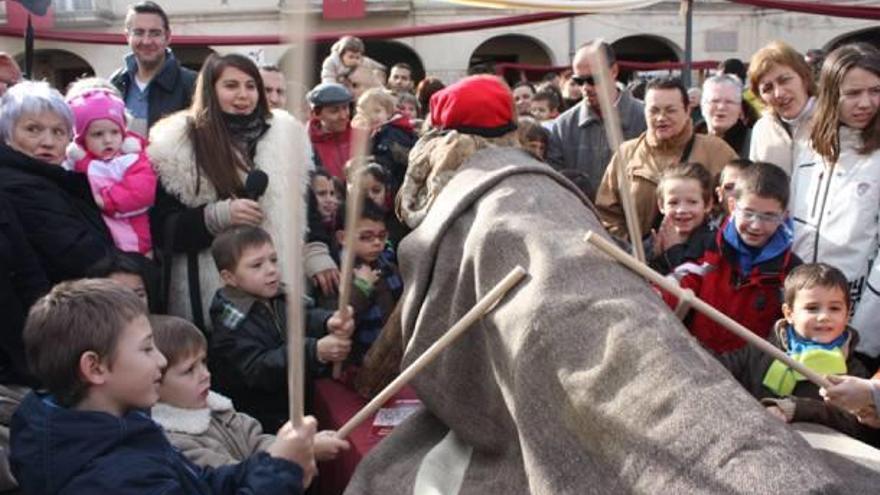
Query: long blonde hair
[(826, 120)]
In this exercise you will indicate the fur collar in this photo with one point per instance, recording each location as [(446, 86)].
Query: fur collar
[(173, 157), (190, 421)]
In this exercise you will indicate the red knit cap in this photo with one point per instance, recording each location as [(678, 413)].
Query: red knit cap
[(481, 105)]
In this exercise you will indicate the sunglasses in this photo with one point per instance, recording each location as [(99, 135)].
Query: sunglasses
[(581, 80)]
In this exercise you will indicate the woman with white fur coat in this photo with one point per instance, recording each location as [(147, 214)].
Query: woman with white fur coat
[(202, 157)]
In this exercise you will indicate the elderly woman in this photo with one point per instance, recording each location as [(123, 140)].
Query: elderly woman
[(202, 157), (722, 110), (783, 81), (55, 206), (50, 229), (669, 140)]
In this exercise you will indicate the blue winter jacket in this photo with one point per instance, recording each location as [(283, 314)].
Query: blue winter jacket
[(55, 450)]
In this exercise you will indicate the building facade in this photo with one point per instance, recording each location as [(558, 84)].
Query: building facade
[(721, 30)]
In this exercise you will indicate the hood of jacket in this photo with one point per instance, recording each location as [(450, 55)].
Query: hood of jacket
[(747, 257), (190, 421), (51, 444)]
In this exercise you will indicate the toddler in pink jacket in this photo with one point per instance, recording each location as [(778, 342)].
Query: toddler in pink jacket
[(114, 159)]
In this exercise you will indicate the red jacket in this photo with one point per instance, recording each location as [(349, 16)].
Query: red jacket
[(754, 300), (332, 149)]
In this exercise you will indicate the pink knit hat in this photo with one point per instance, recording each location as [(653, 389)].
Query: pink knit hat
[(94, 105)]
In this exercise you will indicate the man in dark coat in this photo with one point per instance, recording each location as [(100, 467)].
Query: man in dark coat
[(152, 82)]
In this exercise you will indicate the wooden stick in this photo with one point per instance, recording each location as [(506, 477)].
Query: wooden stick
[(722, 319), (684, 304), (299, 58), (353, 206), (482, 307), (614, 134)]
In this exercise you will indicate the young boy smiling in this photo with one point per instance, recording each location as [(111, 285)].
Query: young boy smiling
[(91, 345), (684, 197), (814, 332), (741, 268)]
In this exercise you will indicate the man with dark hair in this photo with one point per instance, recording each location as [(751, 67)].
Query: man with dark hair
[(577, 137), (400, 79), (152, 82)]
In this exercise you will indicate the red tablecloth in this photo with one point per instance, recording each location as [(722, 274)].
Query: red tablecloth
[(334, 404)]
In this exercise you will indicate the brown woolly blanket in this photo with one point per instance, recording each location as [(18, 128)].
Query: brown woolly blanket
[(581, 381)]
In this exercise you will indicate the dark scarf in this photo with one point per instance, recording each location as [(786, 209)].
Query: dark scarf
[(246, 131)]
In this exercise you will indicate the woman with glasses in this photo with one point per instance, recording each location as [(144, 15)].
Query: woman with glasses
[(836, 200), (782, 80)]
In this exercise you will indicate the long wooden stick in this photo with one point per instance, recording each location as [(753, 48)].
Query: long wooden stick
[(299, 58), (614, 134), (482, 307), (722, 319), (353, 206)]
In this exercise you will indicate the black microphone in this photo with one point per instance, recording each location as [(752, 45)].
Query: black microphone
[(255, 184)]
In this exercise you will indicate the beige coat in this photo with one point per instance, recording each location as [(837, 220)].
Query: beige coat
[(580, 381), (771, 142), (215, 436), (644, 164)]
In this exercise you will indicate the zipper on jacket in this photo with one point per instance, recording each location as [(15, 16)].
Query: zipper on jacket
[(822, 210)]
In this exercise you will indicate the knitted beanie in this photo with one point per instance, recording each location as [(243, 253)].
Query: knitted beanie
[(481, 105), (95, 105)]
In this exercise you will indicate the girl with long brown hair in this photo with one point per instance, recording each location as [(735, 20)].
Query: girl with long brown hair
[(203, 156), (836, 201)]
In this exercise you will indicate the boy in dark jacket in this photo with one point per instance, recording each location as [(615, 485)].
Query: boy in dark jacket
[(248, 350), (741, 268), (377, 284), (90, 344), (815, 333)]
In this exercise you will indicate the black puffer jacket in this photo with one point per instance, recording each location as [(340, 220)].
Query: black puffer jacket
[(57, 213), (22, 281)]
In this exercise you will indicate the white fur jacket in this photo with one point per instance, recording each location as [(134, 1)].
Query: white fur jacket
[(214, 436), (172, 155)]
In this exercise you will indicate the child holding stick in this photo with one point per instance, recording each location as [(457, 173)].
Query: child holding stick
[(203, 424), (377, 284), (90, 344), (814, 332), (249, 316)]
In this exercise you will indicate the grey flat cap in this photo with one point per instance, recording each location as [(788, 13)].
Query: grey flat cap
[(329, 94)]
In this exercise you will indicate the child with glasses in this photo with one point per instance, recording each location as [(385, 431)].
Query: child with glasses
[(377, 284), (741, 269)]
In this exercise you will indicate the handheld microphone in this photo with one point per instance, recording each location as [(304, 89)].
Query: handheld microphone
[(255, 184)]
